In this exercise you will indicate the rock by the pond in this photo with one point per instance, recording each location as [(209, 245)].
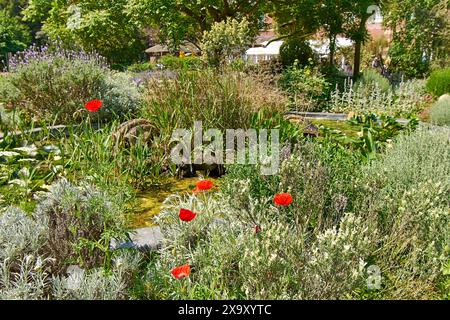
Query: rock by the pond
[(72, 269), (444, 97), (128, 133), (146, 239), (309, 129)]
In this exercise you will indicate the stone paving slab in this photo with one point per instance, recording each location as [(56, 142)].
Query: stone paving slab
[(146, 239), (331, 116)]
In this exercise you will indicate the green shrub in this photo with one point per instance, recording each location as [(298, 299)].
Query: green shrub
[(295, 50), (223, 101), (440, 113), (140, 67), (407, 58), (306, 87), (405, 194), (15, 35), (122, 97), (370, 80), (182, 63), (227, 41), (55, 85), (336, 78), (439, 82)]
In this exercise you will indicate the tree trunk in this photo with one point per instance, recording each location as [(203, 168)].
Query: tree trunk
[(357, 59), (332, 48), (359, 40)]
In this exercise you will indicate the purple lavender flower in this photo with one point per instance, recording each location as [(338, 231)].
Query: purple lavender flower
[(50, 54)]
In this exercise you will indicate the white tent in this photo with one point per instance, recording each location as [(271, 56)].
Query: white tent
[(266, 52), (322, 47)]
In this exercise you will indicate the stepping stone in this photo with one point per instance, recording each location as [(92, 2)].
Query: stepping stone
[(145, 239), (444, 97)]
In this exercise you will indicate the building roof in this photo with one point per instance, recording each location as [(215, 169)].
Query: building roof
[(186, 46), (158, 49)]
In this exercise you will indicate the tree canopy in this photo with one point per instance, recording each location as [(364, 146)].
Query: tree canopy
[(420, 33), (329, 17), (100, 25), (14, 36), (116, 28), (187, 19)]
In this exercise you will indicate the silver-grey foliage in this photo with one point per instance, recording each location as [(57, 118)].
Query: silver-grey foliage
[(34, 248)]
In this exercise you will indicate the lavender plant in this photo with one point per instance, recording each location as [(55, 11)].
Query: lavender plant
[(54, 84), (51, 54)]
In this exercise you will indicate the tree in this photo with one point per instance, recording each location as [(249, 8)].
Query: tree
[(14, 9), (100, 25), (227, 41), (331, 14), (297, 51), (187, 20), (298, 19), (14, 36), (328, 17), (357, 15), (420, 33)]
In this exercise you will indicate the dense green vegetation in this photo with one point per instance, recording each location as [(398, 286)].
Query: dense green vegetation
[(440, 112), (357, 210), (439, 82)]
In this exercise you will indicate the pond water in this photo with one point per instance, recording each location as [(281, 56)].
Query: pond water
[(150, 201), (347, 128)]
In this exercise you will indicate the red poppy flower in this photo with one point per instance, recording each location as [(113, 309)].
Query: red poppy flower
[(181, 272), (187, 215), (257, 229), (93, 105), (283, 199), (203, 185)]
